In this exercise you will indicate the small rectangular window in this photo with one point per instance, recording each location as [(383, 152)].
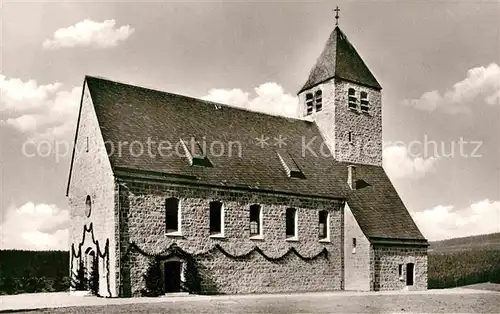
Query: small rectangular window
[(216, 217), (291, 222), (172, 214), (255, 220), (318, 98), (352, 100), (400, 271), (365, 105), (309, 103), (349, 137), (323, 225), (353, 245)]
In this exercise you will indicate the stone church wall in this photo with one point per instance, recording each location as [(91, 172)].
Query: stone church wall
[(387, 261), (366, 128), (358, 262), (336, 120), (142, 223), (92, 175)]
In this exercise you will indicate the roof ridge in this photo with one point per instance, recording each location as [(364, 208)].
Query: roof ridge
[(197, 99)]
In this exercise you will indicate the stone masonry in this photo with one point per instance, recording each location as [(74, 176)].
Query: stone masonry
[(336, 120), (357, 262), (143, 223), (92, 176), (387, 261)]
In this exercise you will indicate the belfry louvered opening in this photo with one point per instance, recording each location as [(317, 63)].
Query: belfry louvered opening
[(195, 154), (290, 166)]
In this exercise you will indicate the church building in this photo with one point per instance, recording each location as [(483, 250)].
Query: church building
[(170, 193)]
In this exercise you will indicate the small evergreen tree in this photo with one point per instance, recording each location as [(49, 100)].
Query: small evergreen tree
[(94, 277), (78, 280), (153, 279)]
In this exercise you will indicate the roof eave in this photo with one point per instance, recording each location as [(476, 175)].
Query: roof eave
[(309, 86), (417, 242), (76, 136)]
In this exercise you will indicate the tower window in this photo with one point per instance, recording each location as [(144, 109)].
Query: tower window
[(216, 218), (172, 215), (318, 98), (291, 223), (353, 101), (349, 137), (255, 220), (309, 103), (354, 244), (365, 104), (323, 225)]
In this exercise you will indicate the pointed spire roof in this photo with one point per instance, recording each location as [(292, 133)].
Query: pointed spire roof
[(340, 59)]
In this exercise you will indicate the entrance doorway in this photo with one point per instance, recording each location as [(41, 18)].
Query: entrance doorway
[(172, 276), (410, 267)]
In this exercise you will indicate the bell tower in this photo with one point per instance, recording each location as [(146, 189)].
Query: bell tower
[(344, 99)]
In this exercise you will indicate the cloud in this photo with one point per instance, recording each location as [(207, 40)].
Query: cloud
[(269, 98), (481, 84), (40, 111), (35, 227), (400, 163), (442, 222), (19, 95), (89, 33)]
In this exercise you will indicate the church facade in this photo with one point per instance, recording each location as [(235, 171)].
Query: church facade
[(169, 193)]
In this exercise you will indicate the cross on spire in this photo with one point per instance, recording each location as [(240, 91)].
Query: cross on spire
[(337, 10)]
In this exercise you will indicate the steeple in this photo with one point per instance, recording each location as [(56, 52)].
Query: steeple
[(340, 59), (344, 99)]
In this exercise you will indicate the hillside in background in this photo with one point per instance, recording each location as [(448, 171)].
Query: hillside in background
[(463, 261), (486, 241)]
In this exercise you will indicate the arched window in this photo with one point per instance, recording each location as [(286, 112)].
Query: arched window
[(172, 215), (91, 266), (353, 101), (255, 220), (88, 206), (318, 99), (323, 225), (365, 104), (291, 223), (216, 218), (309, 103)]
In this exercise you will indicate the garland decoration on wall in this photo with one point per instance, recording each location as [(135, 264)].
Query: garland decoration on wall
[(104, 254), (192, 284), (175, 250)]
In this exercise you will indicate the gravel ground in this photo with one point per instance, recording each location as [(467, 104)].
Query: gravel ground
[(401, 303)]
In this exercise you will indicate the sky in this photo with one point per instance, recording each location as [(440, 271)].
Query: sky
[(438, 64)]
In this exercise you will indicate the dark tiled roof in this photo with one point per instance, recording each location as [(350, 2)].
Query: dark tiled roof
[(340, 59), (378, 209), (129, 113)]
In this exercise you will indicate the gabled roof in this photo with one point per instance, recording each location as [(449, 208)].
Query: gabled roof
[(128, 113), (340, 59)]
